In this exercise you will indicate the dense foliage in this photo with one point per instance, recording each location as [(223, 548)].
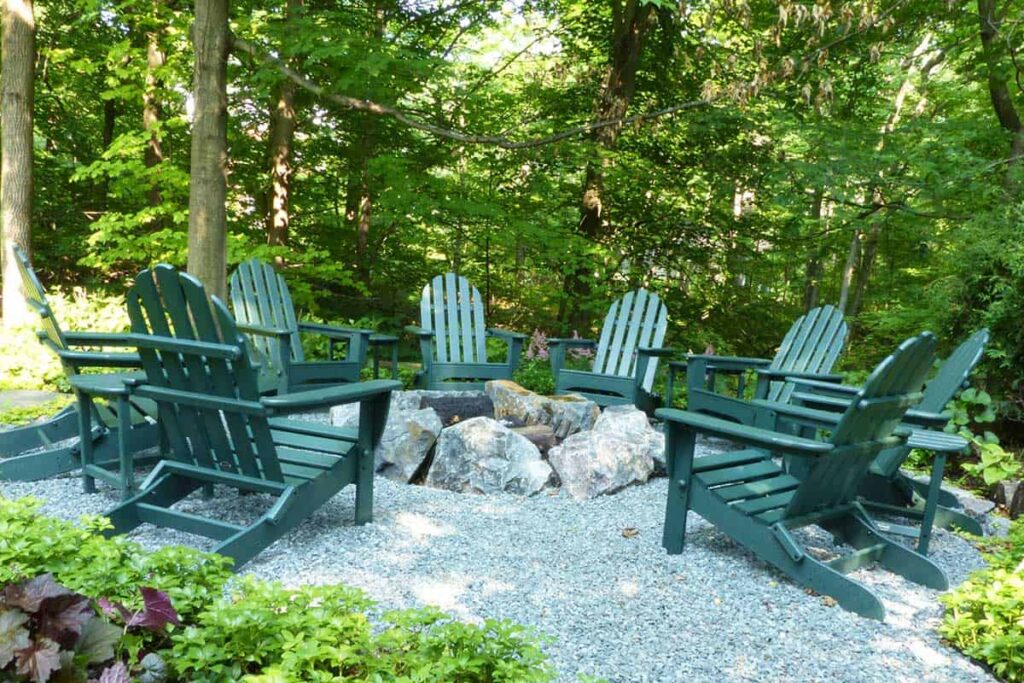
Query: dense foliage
[(174, 613), (786, 154), (985, 614)]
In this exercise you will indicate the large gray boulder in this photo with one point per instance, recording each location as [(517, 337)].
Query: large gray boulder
[(566, 414), (408, 437), (481, 455), (618, 452)]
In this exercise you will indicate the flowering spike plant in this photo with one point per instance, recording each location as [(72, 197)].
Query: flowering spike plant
[(538, 347)]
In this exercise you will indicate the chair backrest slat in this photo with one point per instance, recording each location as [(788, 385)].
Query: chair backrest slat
[(453, 309), (260, 296), (35, 296), (166, 303), (637, 320), (873, 414), (812, 345)]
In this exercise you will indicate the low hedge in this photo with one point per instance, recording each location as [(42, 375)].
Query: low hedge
[(985, 614), (178, 614)]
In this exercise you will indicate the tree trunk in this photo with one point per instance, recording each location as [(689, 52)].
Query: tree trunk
[(999, 92), (814, 272), (281, 152), (867, 263), (207, 219), (847, 275), (631, 22), (155, 59), (16, 101)]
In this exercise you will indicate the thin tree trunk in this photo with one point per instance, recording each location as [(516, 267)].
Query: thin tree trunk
[(17, 52), (207, 220), (847, 275), (998, 88), (631, 22), (281, 153), (867, 263), (814, 272), (154, 154)]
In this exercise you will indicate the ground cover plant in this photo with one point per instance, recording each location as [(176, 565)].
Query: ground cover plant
[(985, 614), (76, 605)]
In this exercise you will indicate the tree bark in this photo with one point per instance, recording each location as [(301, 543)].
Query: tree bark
[(815, 270), (207, 219), (846, 278), (631, 22), (999, 91), (154, 154), (17, 51), (867, 263), (281, 152)]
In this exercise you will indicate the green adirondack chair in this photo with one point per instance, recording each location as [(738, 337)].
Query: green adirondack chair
[(453, 336), (751, 498), (111, 426), (810, 349), (221, 431), (888, 489), (263, 308), (626, 356)]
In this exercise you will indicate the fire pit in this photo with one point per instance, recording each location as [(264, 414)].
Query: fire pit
[(508, 439)]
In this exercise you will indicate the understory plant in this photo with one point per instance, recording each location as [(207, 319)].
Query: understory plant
[(35, 366), (971, 414), (177, 614), (985, 614)]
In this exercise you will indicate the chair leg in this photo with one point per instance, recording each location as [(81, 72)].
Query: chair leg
[(364, 487), (679, 447), (931, 502), (785, 554), (85, 444), (63, 425), (124, 453), (859, 532)]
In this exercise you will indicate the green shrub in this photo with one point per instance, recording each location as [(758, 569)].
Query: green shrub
[(985, 614), (266, 633), (83, 560), (258, 632), (35, 366), (535, 375), (23, 415)]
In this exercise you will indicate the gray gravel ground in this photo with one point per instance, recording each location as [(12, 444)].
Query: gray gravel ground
[(618, 607)]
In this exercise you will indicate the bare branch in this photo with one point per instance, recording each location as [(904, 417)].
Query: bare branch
[(372, 107)]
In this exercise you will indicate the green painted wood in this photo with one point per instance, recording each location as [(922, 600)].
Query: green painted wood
[(199, 372), (626, 354), (756, 502), (811, 347), (109, 439), (264, 308), (453, 336)]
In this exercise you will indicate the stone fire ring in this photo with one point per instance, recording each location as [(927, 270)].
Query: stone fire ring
[(507, 439)]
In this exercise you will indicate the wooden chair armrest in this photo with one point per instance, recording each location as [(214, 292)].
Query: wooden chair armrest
[(754, 436), (262, 331), (824, 387), (330, 396), (100, 359), (786, 374), (570, 342), (506, 334), (658, 353), (420, 332), (332, 331), (727, 363)]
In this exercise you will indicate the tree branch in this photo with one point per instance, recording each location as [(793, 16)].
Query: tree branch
[(372, 107)]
